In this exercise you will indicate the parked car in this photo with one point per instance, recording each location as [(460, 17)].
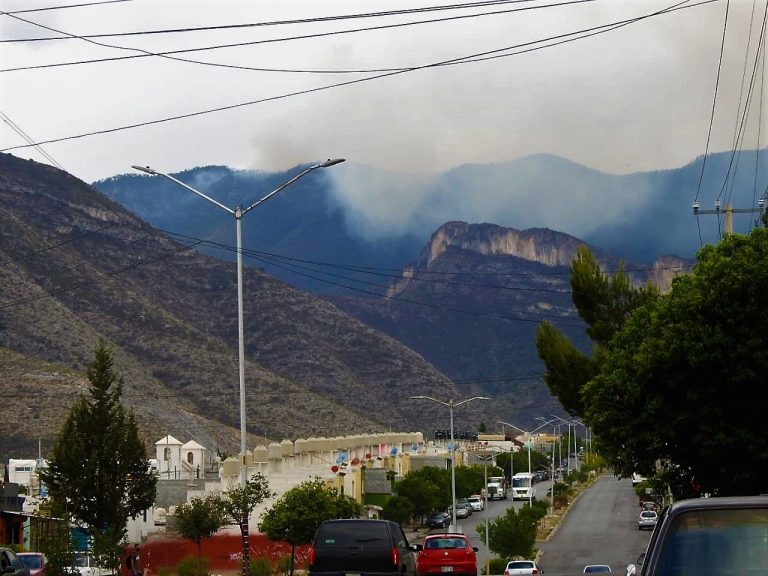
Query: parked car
[(521, 568), (647, 520), (708, 536), (10, 565), (477, 502), (34, 561), (439, 520), (463, 509), (597, 569), (362, 547), (447, 553)]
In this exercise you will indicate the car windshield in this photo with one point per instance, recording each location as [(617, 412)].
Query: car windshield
[(596, 569), (31, 561), (717, 542), (648, 514)]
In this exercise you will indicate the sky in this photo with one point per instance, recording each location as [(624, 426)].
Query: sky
[(636, 98)]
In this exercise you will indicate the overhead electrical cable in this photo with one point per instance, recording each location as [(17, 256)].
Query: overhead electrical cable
[(675, 7), (75, 285), (737, 144), (64, 6), (759, 129), (750, 92), (385, 287), (398, 271), (171, 53), (26, 137), (315, 20), (714, 102)]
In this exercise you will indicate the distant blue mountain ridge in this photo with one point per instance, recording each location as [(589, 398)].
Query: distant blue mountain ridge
[(353, 215)]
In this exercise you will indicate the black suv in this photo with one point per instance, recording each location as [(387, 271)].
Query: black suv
[(362, 548)]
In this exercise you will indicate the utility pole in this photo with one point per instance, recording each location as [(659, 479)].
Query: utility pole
[(730, 211)]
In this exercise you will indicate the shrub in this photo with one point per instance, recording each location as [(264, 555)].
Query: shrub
[(284, 564), (497, 565), (260, 566), (188, 566)]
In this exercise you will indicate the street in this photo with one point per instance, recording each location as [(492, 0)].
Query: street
[(600, 528)]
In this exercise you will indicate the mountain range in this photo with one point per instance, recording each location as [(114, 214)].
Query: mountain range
[(379, 312), (317, 234)]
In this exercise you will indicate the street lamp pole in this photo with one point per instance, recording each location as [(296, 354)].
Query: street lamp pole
[(238, 213), (451, 405), (530, 441)]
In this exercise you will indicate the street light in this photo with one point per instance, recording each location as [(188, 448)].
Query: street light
[(451, 405), (530, 441), (238, 212), (552, 489)]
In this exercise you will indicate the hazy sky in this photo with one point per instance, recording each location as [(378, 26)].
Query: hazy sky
[(635, 98)]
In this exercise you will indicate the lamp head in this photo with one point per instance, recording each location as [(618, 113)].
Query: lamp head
[(145, 169), (331, 162)]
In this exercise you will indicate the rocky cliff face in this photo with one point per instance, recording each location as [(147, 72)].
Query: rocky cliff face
[(539, 245)]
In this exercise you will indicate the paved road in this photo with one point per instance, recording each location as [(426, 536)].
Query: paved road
[(600, 528), (496, 507)]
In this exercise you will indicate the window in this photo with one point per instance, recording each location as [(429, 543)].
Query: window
[(190, 457), (167, 454)]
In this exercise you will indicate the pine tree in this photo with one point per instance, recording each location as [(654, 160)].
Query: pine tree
[(98, 473)]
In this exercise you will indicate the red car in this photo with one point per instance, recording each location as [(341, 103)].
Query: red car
[(447, 553)]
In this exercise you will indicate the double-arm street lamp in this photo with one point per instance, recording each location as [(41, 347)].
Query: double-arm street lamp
[(451, 405), (238, 212), (530, 441)]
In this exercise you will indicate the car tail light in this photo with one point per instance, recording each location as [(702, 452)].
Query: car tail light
[(311, 555), (395, 559), (535, 571)]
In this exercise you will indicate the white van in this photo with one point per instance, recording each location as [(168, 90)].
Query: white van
[(522, 486)]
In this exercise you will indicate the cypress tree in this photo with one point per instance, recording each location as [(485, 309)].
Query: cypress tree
[(98, 473)]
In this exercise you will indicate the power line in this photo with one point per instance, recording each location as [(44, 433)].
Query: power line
[(20, 131), (171, 54), (315, 20), (678, 6), (48, 8), (747, 104), (398, 271)]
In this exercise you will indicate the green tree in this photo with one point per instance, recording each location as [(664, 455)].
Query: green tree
[(604, 302), (98, 473), (679, 384), (428, 489), (398, 509), (238, 502), (198, 519), (513, 533), (298, 513), (469, 480)]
